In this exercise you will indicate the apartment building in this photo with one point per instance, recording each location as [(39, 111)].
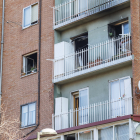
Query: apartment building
[(27, 88), (96, 70)]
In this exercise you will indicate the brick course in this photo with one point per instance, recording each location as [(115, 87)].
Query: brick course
[(17, 91)]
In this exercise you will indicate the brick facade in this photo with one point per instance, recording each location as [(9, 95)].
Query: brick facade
[(135, 29), (17, 91)]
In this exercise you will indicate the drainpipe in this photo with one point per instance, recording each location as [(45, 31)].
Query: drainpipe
[(2, 42)]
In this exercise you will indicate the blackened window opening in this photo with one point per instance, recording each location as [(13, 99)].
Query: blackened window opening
[(31, 62), (118, 30), (81, 49)]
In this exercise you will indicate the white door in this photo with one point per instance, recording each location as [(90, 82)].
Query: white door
[(120, 97), (83, 106)]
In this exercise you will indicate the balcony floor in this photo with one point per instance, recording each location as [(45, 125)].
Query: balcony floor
[(95, 70)]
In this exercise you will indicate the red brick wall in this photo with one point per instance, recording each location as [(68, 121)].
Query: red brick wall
[(135, 29), (17, 91)]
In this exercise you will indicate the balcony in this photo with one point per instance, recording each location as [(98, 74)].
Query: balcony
[(73, 11), (91, 59), (93, 113)]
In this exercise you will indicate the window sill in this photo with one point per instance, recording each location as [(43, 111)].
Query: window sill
[(23, 28), (28, 74), (28, 126)]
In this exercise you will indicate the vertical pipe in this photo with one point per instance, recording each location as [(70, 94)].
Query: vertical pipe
[(2, 42)]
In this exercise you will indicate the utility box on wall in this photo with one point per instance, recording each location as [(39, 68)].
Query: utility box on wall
[(61, 51), (61, 113)]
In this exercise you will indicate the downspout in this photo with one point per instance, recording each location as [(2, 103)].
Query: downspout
[(2, 42), (39, 53)]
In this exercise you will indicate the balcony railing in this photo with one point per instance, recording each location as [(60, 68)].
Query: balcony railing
[(105, 54), (93, 113), (73, 10)]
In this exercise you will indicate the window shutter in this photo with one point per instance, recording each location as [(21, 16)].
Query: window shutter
[(34, 17), (27, 16)]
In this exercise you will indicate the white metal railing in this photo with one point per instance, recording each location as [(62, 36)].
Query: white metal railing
[(75, 8), (93, 113), (93, 56)]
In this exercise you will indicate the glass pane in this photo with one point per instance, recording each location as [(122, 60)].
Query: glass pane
[(115, 95), (85, 136), (126, 28), (24, 115), (83, 104), (106, 134), (122, 132), (27, 17), (31, 114)]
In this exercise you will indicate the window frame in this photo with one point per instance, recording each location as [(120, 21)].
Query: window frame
[(24, 63), (24, 27), (110, 81), (73, 93), (28, 115)]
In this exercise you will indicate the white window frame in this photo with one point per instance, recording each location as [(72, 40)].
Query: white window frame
[(71, 98), (113, 81), (28, 115), (30, 16), (24, 63)]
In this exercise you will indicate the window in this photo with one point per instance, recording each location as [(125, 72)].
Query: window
[(81, 42), (118, 28), (122, 132), (106, 134), (28, 114), (29, 63), (81, 101), (121, 94), (70, 137), (30, 15)]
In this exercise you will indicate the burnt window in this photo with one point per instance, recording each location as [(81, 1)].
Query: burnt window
[(29, 63), (81, 44)]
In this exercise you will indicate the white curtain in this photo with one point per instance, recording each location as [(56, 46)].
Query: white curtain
[(32, 113), (122, 132), (27, 16), (83, 102), (106, 134), (24, 115)]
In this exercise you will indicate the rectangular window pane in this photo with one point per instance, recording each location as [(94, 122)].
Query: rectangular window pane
[(27, 17), (24, 115), (122, 132), (85, 136), (34, 13), (31, 114), (106, 134), (126, 28), (83, 102)]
